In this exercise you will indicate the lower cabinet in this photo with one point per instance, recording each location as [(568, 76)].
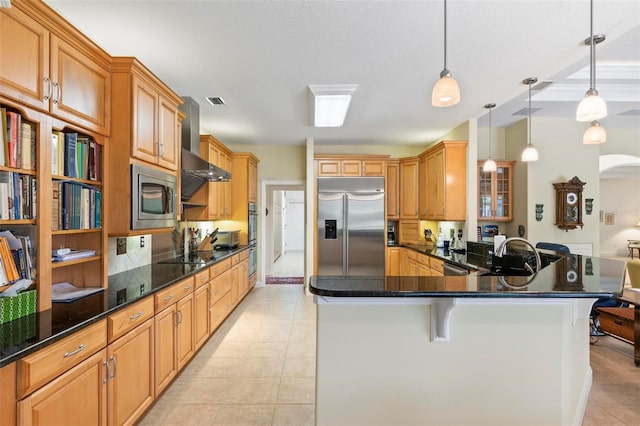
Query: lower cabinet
[(201, 315), (166, 362), (77, 397), (131, 375), (185, 347), (393, 261)]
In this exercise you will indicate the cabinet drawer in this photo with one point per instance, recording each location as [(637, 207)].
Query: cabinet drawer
[(412, 255), (172, 294), (201, 278), (43, 366), (436, 265), (219, 268), (219, 287), (239, 257), (218, 312), (128, 318), (618, 321)]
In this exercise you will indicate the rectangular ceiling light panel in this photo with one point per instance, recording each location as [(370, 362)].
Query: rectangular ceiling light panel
[(330, 103)]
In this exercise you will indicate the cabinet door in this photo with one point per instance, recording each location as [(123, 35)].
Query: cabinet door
[(168, 137), (83, 91), (184, 334), (24, 59), (219, 311), (409, 189), (373, 167), (351, 168), (224, 189), (329, 167), (130, 384), (393, 261), (145, 120), (435, 169), (485, 195), (423, 188), (252, 176), (235, 285), (77, 397), (201, 315), (166, 364), (393, 187)]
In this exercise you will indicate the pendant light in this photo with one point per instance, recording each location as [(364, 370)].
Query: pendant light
[(529, 153), (446, 91), (592, 107), (489, 165), (595, 134)]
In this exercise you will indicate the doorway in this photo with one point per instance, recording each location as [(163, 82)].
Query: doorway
[(283, 252)]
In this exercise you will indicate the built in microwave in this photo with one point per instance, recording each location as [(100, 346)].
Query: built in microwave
[(153, 198)]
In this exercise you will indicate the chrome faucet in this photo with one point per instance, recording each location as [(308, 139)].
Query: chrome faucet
[(503, 246)]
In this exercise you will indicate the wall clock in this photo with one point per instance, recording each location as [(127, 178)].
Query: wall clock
[(569, 204)]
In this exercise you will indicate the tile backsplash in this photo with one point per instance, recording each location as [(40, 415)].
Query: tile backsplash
[(134, 257)]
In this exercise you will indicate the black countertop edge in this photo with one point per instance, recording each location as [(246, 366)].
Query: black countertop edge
[(460, 294), (65, 319)]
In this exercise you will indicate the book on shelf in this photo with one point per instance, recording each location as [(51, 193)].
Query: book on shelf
[(8, 261), (25, 148), (13, 126), (74, 254), (55, 206), (3, 135), (54, 153), (70, 155), (67, 292)]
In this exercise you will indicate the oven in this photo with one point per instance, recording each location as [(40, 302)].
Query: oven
[(253, 259)]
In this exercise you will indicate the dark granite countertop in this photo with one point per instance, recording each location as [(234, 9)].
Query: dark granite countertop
[(574, 276), (26, 335)]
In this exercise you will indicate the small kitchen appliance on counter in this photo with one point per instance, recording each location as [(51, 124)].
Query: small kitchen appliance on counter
[(227, 240)]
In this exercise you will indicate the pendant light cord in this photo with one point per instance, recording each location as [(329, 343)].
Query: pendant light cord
[(529, 135), (445, 34), (592, 51), (490, 131)]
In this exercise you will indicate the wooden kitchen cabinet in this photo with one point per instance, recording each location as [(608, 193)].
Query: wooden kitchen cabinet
[(495, 192), (130, 384), (49, 65), (166, 362), (244, 184), (392, 190), (393, 259), (185, 347), (201, 315), (350, 166), (443, 181), (409, 188), (77, 397)]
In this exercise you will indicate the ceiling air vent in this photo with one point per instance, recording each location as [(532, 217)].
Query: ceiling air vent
[(215, 100)]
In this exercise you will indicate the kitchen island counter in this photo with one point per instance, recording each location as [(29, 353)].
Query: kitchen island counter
[(458, 350)]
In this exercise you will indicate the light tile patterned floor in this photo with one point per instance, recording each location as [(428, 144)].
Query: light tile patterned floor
[(289, 264), (257, 369)]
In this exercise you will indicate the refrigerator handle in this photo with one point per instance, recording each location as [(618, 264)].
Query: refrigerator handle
[(345, 235)]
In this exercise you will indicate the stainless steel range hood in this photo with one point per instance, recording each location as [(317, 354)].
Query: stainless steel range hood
[(195, 171)]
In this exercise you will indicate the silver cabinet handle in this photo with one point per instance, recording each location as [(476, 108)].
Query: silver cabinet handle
[(187, 288), (169, 297), (48, 89), (57, 98), (72, 353), (136, 316), (208, 293), (115, 367), (106, 365)]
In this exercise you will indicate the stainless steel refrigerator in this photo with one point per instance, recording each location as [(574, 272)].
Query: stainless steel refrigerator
[(351, 226)]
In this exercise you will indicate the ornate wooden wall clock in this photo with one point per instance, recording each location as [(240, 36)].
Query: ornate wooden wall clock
[(569, 204)]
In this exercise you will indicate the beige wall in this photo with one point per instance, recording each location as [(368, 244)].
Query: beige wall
[(277, 162)]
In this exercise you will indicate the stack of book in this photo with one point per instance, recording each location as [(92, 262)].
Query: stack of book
[(16, 259), (75, 156), (18, 194), (17, 141), (75, 205)]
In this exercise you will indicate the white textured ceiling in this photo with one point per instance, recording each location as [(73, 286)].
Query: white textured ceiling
[(260, 56)]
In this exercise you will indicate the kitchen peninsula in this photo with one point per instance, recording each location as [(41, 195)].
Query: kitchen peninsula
[(475, 349)]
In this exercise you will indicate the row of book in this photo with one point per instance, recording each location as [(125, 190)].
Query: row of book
[(16, 260), (18, 194), (17, 141), (76, 156), (75, 206)]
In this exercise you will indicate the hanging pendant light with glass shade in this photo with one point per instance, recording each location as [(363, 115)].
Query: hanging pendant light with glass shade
[(489, 165), (446, 91), (592, 107), (529, 153), (595, 134)]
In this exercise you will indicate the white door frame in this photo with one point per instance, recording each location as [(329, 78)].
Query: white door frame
[(298, 183)]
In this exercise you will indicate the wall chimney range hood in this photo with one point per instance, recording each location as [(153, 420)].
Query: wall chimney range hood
[(195, 171)]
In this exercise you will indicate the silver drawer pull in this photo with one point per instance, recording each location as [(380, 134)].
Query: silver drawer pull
[(72, 353), (187, 288), (136, 316), (169, 297)]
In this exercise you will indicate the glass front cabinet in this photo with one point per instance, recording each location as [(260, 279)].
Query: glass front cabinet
[(495, 193)]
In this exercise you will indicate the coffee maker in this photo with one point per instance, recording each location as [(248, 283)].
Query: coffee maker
[(391, 235)]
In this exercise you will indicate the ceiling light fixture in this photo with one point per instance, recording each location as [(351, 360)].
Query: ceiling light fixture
[(489, 165), (331, 103), (592, 107), (529, 153), (446, 91), (595, 134)]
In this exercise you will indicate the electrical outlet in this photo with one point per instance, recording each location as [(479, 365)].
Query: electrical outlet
[(142, 241), (121, 246)]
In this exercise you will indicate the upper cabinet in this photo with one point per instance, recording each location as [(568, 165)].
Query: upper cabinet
[(349, 166), (244, 184), (46, 64), (145, 115), (392, 190), (409, 188), (495, 192), (443, 181)]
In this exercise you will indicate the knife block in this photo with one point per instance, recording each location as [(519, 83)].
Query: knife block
[(206, 244)]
